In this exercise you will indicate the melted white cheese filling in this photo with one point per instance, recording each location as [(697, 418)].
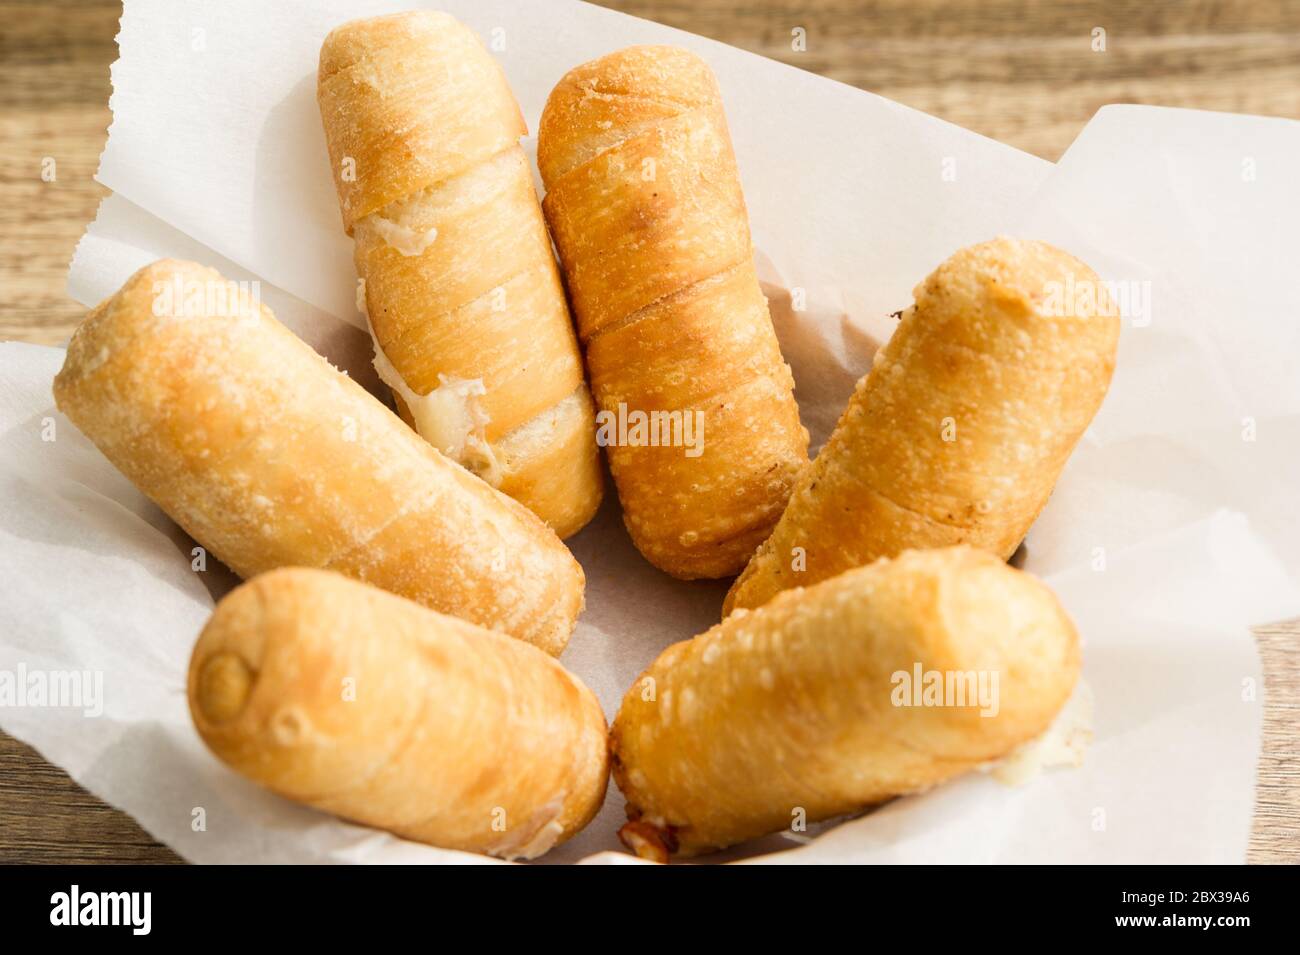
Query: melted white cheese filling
[(451, 417), (396, 235), (1062, 744)]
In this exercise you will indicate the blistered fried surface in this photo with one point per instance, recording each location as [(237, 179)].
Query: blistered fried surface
[(268, 456), (370, 707), (644, 202), (963, 425), (459, 281), (788, 713)]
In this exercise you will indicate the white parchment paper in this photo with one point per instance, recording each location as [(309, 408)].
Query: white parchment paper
[(1172, 530)]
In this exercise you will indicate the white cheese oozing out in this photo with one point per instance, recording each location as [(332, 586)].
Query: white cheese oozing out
[(396, 235), (539, 844), (518, 844), (1062, 744), (450, 417)]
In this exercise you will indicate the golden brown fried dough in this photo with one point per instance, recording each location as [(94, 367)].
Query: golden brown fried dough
[(797, 710), (464, 300), (269, 457), (644, 201), (368, 706), (964, 423)]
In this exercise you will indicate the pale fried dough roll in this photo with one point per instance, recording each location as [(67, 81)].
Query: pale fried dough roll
[(962, 426), (644, 201), (269, 456), (368, 706), (465, 304), (806, 708)]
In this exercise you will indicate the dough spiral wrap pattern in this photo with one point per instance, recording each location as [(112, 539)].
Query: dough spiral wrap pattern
[(644, 201), (960, 430), (459, 283), (362, 704), (268, 456), (796, 709)]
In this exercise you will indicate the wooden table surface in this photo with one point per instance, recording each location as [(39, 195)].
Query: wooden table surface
[(1019, 71)]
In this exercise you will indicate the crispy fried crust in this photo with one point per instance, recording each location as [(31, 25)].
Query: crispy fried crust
[(962, 426), (368, 706), (268, 456), (460, 282), (789, 712), (644, 202)]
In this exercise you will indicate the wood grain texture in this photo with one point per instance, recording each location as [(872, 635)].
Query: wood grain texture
[(1020, 71)]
